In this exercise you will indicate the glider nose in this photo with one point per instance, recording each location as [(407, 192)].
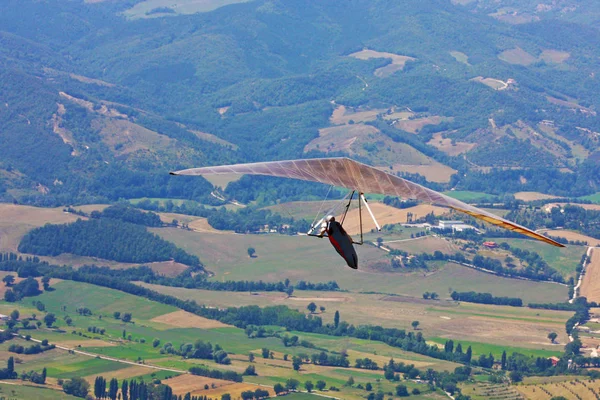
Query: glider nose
[(352, 261)]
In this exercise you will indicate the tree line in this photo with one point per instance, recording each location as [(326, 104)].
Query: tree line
[(280, 316), (486, 298)]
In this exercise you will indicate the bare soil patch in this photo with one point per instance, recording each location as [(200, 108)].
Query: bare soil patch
[(550, 206), (415, 125), (387, 215), (342, 115), (184, 319), (532, 196), (555, 56), (495, 84), (183, 384), (86, 343), (574, 236), (17, 220), (590, 286), (202, 225), (434, 172), (446, 145), (517, 56), (167, 268), (341, 138), (397, 64)]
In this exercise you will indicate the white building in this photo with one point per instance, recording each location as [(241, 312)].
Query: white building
[(456, 226)]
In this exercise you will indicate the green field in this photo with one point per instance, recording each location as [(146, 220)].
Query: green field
[(468, 196), (592, 197), (299, 257), (19, 392), (61, 364), (101, 301), (506, 326), (564, 259)]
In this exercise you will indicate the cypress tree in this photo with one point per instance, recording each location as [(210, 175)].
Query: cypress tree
[(125, 390), (10, 366), (468, 355), (113, 388), (336, 319)]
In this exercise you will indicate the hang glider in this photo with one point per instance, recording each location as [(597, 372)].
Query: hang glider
[(350, 174)]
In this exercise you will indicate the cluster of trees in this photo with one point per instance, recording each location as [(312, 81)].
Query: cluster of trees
[(256, 394), (33, 349), (332, 360), (126, 213), (33, 376), (216, 374), (202, 350), (25, 288), (571, 216), (9, 372), (104, 238), (486, 298)]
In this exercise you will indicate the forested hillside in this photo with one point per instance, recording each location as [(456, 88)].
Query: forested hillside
[(98, 103)]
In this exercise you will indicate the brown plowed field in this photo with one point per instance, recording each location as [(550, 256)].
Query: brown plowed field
[(387, 215), (184, 319), (590, 287)]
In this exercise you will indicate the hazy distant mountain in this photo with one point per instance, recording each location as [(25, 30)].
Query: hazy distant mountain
[(98, 100)]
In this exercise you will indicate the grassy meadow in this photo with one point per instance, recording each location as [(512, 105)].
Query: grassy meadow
[(305, 258)]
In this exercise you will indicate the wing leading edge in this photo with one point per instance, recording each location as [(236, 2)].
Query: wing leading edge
[(353, 175)]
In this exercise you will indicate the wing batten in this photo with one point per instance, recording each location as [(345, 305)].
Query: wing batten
[(353, 175)]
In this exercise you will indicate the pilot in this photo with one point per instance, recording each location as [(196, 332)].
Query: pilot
[(340, 240)]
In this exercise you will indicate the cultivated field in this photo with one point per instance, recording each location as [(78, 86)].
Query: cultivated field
[(554, 56), (550, 206), (397, 64), (342, 115), (435, 172), (574, 236), (17, 220), (590, 285), (311, 259), (18, 390), (183, 384), (573, 388), (184, 319), (415, 125), (595, 198), (341, 138), (447, 146), (564, 259), (532, 196), (503, 326), (468, 196), (102, 301), (517, 56)]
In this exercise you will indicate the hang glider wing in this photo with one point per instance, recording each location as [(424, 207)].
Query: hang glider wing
[(353, 175)]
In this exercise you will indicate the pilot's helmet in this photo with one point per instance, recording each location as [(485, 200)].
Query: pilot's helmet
[(330, 218)]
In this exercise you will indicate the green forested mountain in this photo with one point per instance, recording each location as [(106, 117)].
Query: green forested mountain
[(98, 101)]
